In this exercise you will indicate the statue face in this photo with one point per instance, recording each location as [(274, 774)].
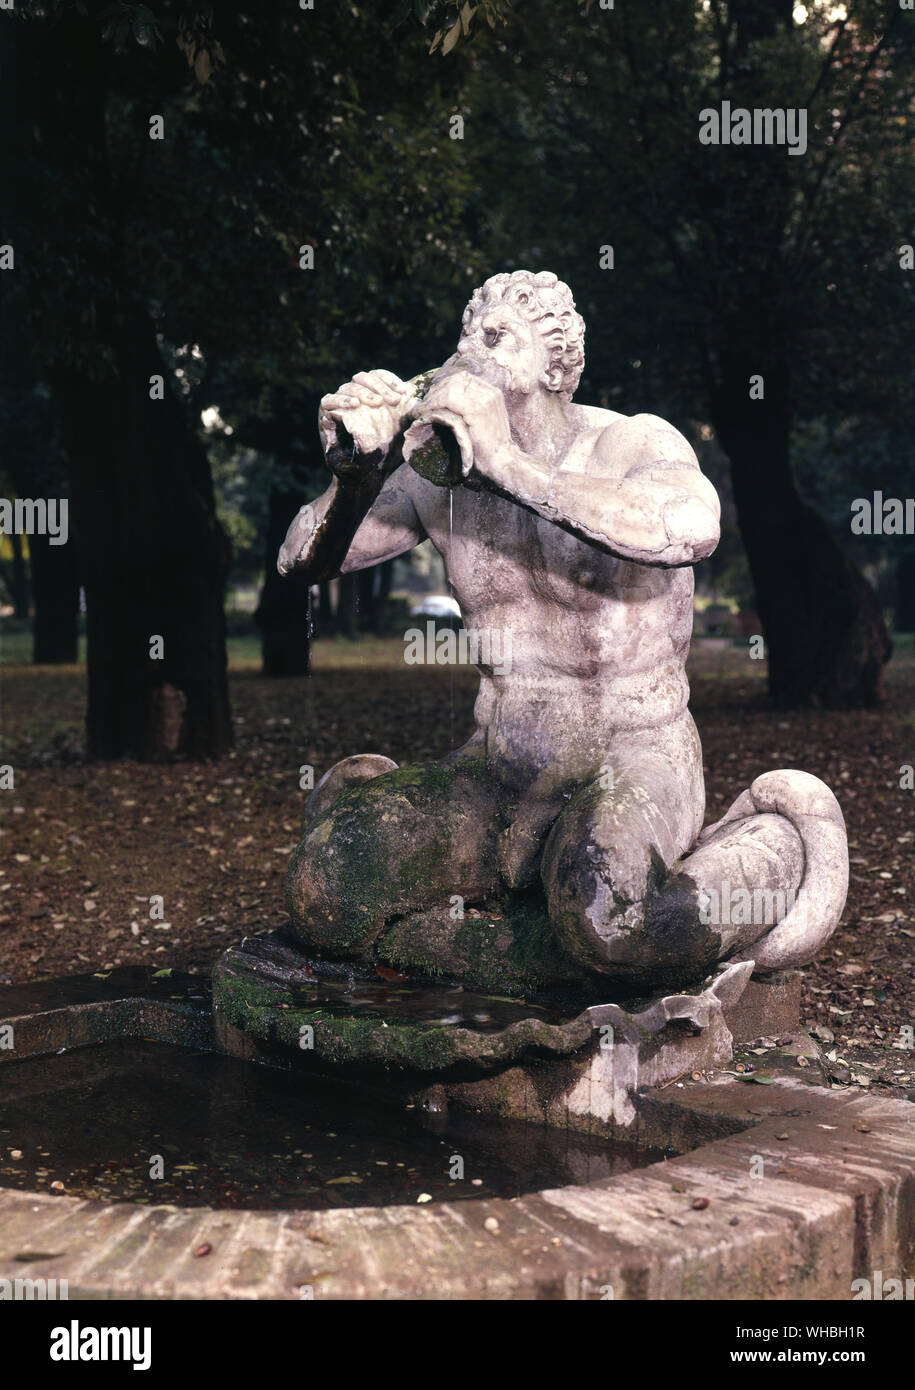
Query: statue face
[(505, 348)]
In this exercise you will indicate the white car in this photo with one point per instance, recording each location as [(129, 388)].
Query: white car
[(437, 606), (440, 609)]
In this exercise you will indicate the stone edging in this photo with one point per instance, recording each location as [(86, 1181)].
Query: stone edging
[(836, 1202)]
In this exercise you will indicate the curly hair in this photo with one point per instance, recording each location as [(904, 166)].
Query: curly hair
[(547, 301)]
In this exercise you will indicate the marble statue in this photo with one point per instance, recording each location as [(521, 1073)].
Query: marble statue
[(580, 794)]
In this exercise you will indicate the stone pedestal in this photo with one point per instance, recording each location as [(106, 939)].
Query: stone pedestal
[(769, 1007), (515, 1058)]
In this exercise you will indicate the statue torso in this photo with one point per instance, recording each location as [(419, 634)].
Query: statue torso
[(601, 631)]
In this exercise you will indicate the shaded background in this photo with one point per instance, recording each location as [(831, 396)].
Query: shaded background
[(180, 258), (177, 261)]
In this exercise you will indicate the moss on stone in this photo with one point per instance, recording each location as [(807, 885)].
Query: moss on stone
[(346, 1032), (357, 869), (431, 461), (512, 952)]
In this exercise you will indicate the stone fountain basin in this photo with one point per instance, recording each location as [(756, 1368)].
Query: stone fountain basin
[(836, 1200), (261, 988)]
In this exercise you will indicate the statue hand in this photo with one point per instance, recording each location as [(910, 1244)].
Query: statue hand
[(475, 412), (363, 420)]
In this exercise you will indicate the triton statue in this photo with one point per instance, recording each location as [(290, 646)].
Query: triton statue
[(581, 788)]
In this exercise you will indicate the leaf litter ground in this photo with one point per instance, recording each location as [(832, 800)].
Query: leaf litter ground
[(86, 846)]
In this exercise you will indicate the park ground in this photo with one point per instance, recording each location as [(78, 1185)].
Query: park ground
[(85, 846)]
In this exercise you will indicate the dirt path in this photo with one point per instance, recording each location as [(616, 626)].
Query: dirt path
[(87, 846)]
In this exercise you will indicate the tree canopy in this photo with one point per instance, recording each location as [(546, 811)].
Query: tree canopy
[(257, 202)]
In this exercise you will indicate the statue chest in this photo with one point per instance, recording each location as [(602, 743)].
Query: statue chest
[(498, 553)]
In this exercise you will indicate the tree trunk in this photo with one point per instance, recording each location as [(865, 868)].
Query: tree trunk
[(153, 554), (367, 600), (283, 611), (325, 625), (385, 577), (55, 589), (155, 562), (904, 613), (825, 638), (347, 606)]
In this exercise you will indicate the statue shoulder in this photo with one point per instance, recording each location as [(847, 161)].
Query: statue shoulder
[(630, 443)]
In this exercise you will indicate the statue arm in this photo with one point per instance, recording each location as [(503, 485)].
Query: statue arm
[(348, 528), (367, 514), (643, 497), (632, 487)]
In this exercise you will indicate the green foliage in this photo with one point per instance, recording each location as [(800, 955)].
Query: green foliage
[(282, 130), (124, 24), (329, 129), (451, 19), (594, 136), (587, 124)]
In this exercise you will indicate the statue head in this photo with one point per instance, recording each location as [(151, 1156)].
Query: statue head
[(521, 331)]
